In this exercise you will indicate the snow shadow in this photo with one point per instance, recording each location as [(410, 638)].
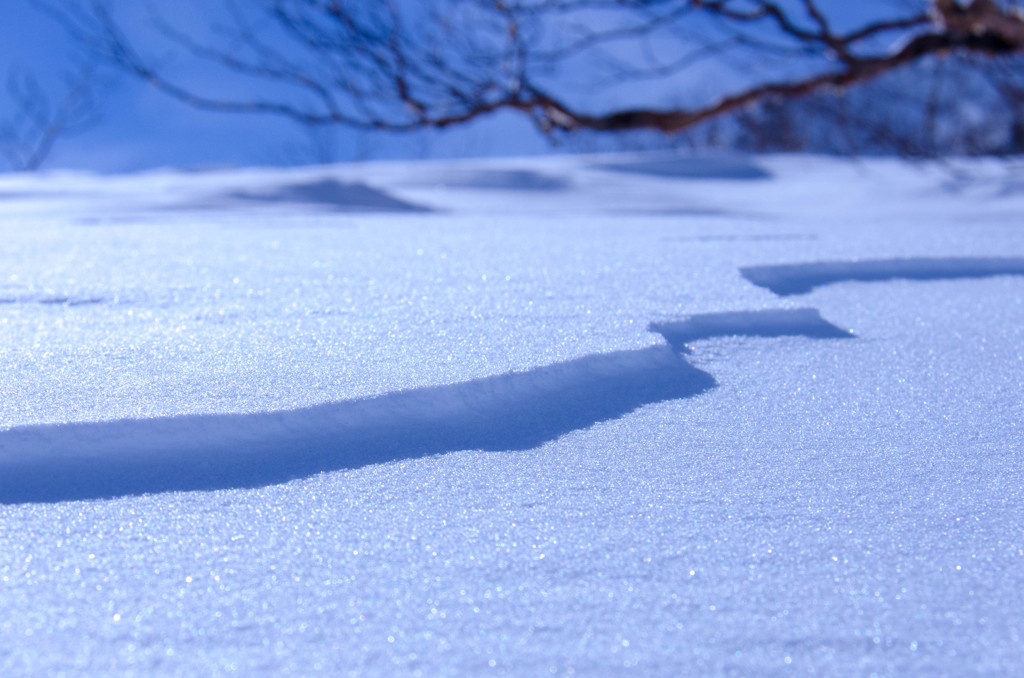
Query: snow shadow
[(675, 212), (515, 411), (505, 180), (692, 168), (801, 322), (790, 279), (725, 237), (330, 194), (22, 195), (53, 300)]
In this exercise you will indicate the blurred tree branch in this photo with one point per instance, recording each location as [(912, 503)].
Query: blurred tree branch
[(27, 137), (403, 65)]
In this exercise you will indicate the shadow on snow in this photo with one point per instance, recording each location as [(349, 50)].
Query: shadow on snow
[(734, 168), (789, 279), (326, 194), (504, 180)]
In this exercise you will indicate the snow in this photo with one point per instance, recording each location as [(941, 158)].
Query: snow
[(562, 416), (802, 278)]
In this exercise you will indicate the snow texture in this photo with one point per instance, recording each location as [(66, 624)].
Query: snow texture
[(554, 416)]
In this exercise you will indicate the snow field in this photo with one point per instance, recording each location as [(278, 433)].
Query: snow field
[(512, 418)]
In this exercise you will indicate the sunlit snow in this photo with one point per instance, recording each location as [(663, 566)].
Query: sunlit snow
[(561, 416)]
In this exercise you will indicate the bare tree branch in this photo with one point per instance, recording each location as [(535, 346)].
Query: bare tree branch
[(403, 66), (28, 136)]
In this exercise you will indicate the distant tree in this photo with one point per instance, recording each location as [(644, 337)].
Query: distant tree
[(408, 64), (957, 104)]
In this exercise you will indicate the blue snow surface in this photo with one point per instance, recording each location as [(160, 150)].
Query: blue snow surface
[(569, 416)]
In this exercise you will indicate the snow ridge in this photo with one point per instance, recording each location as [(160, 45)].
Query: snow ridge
[(516, 411), (805, 322), (790, 279)]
